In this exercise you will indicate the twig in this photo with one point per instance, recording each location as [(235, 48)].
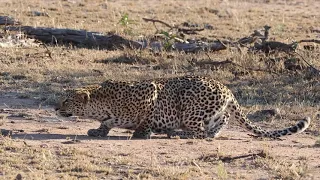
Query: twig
[(213, 63), (222, 43), (310, 40), (219, 63), (209, 56), (195, 164), (251, 69), (229, 159), (266, 33), (183, 30), (48, 51), (158, 21), (189, 31), (314, 70), (6, 105)]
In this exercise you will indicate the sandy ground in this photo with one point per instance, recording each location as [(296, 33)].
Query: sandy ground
[(294, 157)]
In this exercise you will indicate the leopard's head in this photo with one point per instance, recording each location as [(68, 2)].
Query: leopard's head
[(73, 102)]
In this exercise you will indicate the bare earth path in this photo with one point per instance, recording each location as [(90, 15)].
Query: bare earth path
[(119, 157)]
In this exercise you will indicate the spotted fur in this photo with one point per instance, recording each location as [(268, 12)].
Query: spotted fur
[(189, 107)]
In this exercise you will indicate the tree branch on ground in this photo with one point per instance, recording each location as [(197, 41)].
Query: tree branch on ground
[(158, 21), (80, 38), (6, 20), (226, 62), (257, 41), (314, 71), (254, 155)]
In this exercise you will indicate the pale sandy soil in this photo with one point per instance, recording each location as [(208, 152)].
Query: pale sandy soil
[(294, 157)]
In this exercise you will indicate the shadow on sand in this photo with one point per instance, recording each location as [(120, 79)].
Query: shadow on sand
[(73, 137)]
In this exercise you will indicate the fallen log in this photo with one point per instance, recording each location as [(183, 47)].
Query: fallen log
[(197, 47), (257, 41), (213, 63), (80, 38), (274, 46), (6, 20)]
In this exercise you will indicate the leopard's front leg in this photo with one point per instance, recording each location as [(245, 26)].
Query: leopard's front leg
[(102, 131), (105, 126), (144, 130)]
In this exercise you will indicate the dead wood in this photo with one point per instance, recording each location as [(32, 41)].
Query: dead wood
[(228, 159), (253, 155), (310, 40), (312, 70), (179, 29), (274, 46), (157, 21), (5, 132), (256, 36), (47, 51), (196, 47), (217, 64), (258, 40), (213, 63), (190, 30), (80, 38), (6, 20)]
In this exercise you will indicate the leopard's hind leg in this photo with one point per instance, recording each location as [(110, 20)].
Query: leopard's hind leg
[(196, 127), (192, 128), (216, 124)]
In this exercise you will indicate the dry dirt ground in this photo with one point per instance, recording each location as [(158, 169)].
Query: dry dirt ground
[(44, 146)]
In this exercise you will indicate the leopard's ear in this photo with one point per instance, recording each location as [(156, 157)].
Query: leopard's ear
[(84, 96)]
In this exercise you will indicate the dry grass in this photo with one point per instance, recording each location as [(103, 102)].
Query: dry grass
[(2, 119), (39, 162), (29, 74)]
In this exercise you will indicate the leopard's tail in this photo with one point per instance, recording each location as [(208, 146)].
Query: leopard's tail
[(257, 130), (236, 112)]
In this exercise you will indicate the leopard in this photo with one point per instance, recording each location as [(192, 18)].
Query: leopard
[(186, 107)]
